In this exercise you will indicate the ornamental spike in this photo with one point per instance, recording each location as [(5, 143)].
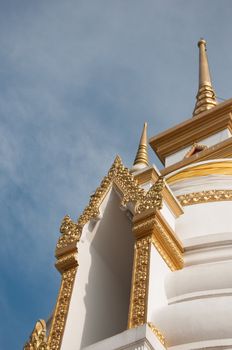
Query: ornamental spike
[(206, 98), (141, 159)]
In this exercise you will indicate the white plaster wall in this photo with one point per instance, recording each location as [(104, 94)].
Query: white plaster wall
[(199, 310), (202, 219), (201, 320), (168, 215), (158, 272), (100, 299), (199, 281), (209, 141), (139, 338)]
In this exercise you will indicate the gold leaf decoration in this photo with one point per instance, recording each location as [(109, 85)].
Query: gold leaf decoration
[(130, 191), (205, 196), (61, 310), (153, 198), (38, 339), (137, 314), (158, 334)]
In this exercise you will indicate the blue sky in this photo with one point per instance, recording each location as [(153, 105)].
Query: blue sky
[(77, 81)]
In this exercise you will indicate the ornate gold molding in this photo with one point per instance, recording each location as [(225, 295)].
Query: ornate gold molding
[(149, 227), (196, 148), (61, 310), (38, 338), (126, 184), (153, 199), (220, 167), (167, 244), (192, 130), (70, 232), (131, 192), (205, 197), (158, 334), (138, 303), (163, 237)]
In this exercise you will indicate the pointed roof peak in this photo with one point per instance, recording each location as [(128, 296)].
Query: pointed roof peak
[(206, 98), (141, 159)]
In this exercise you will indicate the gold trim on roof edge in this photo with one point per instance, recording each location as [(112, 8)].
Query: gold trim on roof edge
[(131, 192), (216, 167), (205, 197)]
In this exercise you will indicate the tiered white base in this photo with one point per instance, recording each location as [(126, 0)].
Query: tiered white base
[(140, 338)]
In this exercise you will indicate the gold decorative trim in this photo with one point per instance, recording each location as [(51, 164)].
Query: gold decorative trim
[(126, 184), (193, 130), (196, 148), (61, 310), (221, 150), (212, 168), (167, 244), (147, 175), (131, 192), (152, 176), (153, 199), (158, 334), (205, 197), (67, 261), (38, 338), (163, 238), (70, 232), (140, 280)]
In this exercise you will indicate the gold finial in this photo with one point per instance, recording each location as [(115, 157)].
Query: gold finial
[(141, 159), (206, 98)]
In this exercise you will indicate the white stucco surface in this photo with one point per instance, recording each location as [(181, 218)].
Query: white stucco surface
[(202, 219), (140, 338), (158, 272)]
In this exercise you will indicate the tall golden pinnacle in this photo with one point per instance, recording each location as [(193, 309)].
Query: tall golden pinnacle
[(206, 98), (141, 159)]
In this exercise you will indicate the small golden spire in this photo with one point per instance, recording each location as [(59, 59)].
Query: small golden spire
[(141, 159), (206, 98)]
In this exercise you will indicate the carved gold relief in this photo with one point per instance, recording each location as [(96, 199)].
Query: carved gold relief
[(205, 196), (153, 198), (138, 303), (38, 339), (167, 245), (158, 334), (130, 191), (67, 261), (61, 310), (70, 232), (163, 238), (127, 185)]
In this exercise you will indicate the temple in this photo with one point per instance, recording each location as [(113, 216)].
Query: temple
[(147, 266)]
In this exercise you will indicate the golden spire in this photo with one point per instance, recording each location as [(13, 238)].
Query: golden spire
[(206, 98), (141, 159)]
